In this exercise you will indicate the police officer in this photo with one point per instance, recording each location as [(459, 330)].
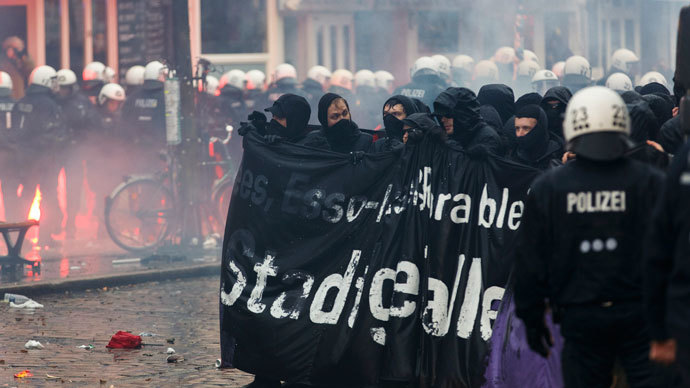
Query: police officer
[(78, 112), (619, 82), (284, 81), (144, 111), (316, 84), (544, 80), (367, 103), (579, 247), (485, 73), (255, 81), (341, 84), (93, 77), (37, 133), (134, 78), (461, 70), (426, 81), (577, 73), (525, 72), (6, 105), (622, 61)]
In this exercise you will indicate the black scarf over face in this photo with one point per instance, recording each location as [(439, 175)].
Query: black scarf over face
[(556, 115), (295, 109), (461, 104), (533, 145), (342, 134), (393, 125)]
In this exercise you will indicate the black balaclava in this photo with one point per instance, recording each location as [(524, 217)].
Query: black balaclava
[(533, 145), (491, 117), (654, 87), (556, 115), (499, 96), (461, 104), (643, 123), (528, 99), (295, 109), (343, 133), (423, 122), (394, 126), (663, 110)]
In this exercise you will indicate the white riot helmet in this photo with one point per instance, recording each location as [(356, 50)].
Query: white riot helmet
[(155, 71), (558, 68), (487, 71), (463, 62), (384, 79), (5, 84), (66, 77), (255, 80), (544, 80), (234, 78), (504, 55), (527, 68), (597, 124), (619, 82), (443, 65), (135, 75), (623, 59), (211, 85), (342, 78), (320, 74), (284, 71), (653, 76), (109, 74), (44, 76), (529, 55), (577, 73), (424, 66), (365, 78), (111, 91), (94, 71)]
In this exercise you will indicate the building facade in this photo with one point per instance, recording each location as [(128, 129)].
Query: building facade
[(354, 34)]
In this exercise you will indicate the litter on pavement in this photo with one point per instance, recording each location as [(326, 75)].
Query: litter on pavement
[(22, 374), (31, 344), (29, 304), (87, 347), (170, 351), (124, 340)]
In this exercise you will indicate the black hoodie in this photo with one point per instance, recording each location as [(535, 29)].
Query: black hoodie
[(295, 109), (469, 129), (643, 127), (499, 96), (556, 114), (393, 126), (536, 148), (343, 137)]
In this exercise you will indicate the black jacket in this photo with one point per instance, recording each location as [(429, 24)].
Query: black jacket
[(580, 241), (425, 88), (144, 113), (667, 249), (343, 137), (79, 113), (671, 136), (312, 91), (6, 106), (556, 113), (394, 132), (37, 121), (537, 148), (469, 129)]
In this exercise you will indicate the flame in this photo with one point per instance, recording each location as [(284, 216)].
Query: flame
[(20, 190), (85, 221), (22, 374), (35, 214), (2, 205)]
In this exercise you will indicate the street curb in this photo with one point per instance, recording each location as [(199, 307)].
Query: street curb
[(61, 286)]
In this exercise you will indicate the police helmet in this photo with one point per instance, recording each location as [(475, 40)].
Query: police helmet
[(44, 76), (424, 66), (255, 79), (111, 91), (384, 79), (365, 78), (320, 74), (5, 84), (653, 76), (623, 59), (619, 82), (342, 78), (234, 78), (66, 77), (135, 75)]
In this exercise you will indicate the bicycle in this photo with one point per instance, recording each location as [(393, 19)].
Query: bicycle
[(144, 210)]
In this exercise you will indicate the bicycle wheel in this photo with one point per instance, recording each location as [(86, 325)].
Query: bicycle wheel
[(222, 193), (139, 214)]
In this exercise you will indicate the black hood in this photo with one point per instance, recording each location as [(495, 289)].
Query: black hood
[(343, 134), (555, 115), (461, 104), (295, 109), (499, 96), (407, 103), (392, 125), (527, 99), (643, 124), (662, 108), (534, 144), (421, 106), (631, 97), (654, 87), (324, 103), (491, 117), (423, 121)]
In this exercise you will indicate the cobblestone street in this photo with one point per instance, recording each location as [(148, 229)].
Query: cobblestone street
[(186, 310)]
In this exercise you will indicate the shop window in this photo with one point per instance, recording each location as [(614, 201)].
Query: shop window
[(76, 36), (438, 31), (53, 38), (233, 26), (100, 42)]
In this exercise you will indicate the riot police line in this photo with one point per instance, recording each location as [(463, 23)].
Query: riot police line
[(587, 265)]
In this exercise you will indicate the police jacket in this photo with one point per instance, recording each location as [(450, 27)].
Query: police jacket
[(581, 236), (144, 112), (6, 106), (37, 122), (667, 267), (425, 88), (78, 112)]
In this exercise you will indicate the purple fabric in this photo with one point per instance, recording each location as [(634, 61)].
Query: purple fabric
[(511, 363)]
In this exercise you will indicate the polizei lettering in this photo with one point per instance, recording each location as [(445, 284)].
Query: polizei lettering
[(596, 201)]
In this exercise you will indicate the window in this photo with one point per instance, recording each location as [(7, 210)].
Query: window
[(630, 34), (100, 44), (438, 31), (233, 26), (52, 22), (615, 35), (76, 36)]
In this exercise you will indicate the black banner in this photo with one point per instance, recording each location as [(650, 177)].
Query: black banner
[(347, 271)]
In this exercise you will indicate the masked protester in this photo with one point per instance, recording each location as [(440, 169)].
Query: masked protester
[(458, 112), (338, 132), (663, 110), (671, 136), (553, 103), (290, 118), (643, 128), (499, 96), (418, 125), (527, 99), (580, 248), (534, 146), (395, 110)]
